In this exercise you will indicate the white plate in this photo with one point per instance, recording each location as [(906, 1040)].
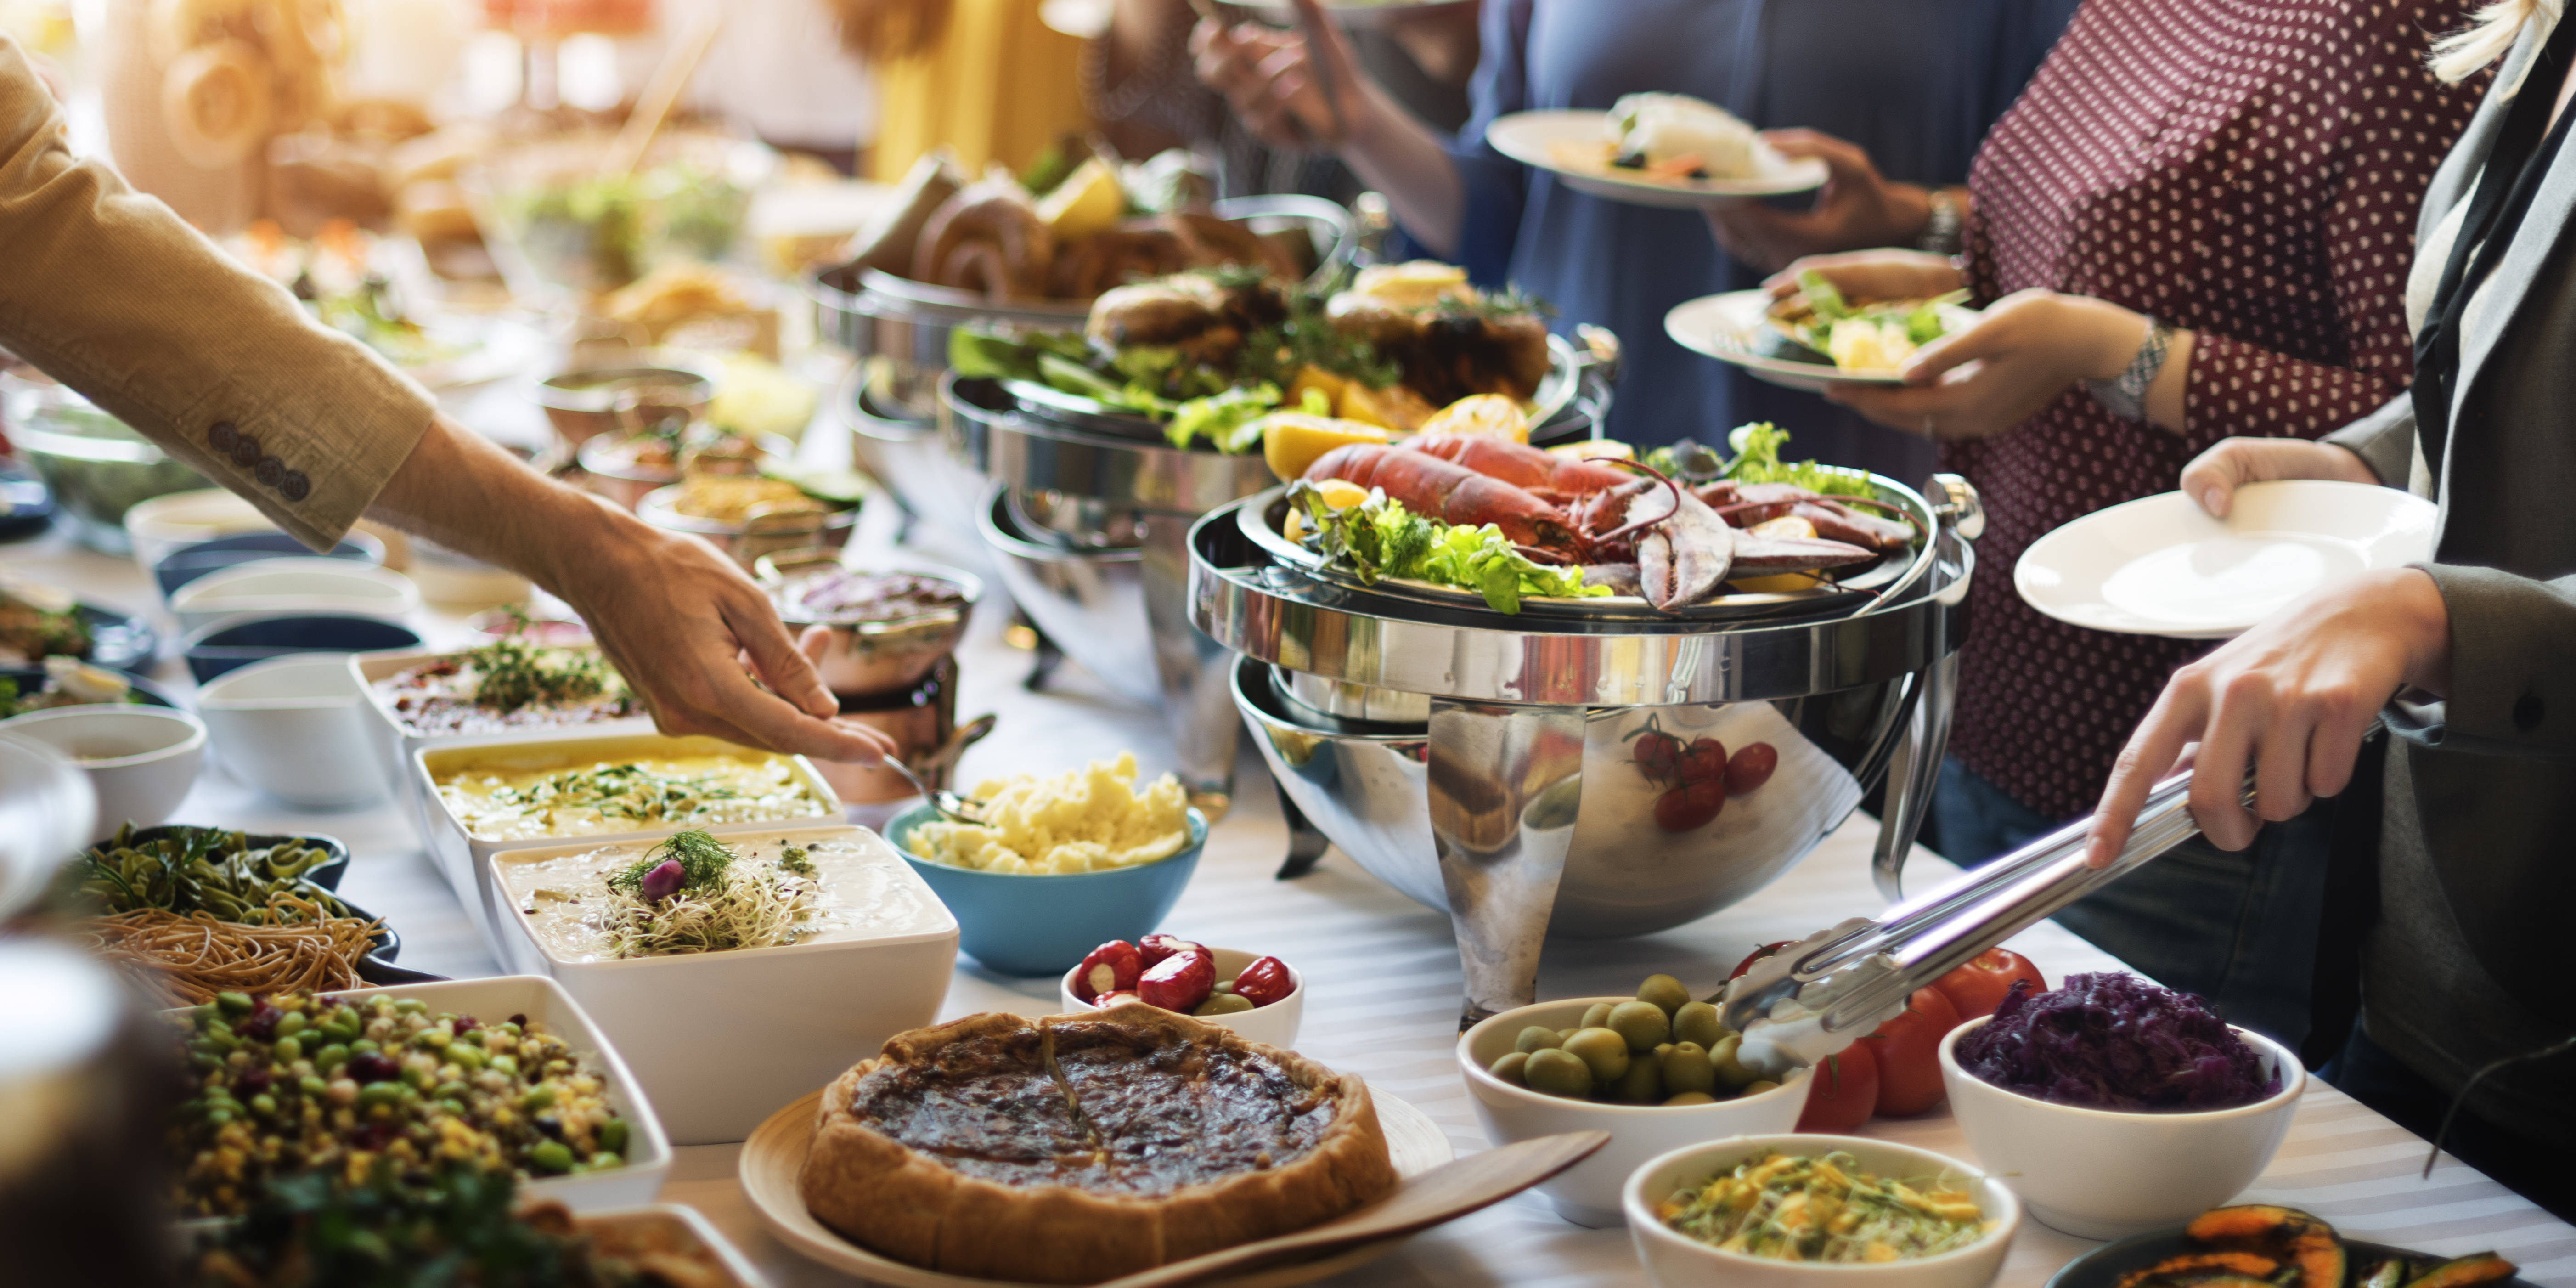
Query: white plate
[(1734, 327), (2161, 566), (1548, 141), (775, 1155)]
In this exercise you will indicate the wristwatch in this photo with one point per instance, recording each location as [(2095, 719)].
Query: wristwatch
[(1941, 225), (2125, 395)]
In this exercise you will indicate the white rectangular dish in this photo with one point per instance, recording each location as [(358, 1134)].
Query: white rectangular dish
[(720, 1040), (464, 857), (624, 1221), (393, 739), (543, 1001)]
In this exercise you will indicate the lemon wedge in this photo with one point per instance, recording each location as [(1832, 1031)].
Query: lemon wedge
[(1293, 440), (1596, 449), (1481, 415), (1088, 201), (1339, 494)]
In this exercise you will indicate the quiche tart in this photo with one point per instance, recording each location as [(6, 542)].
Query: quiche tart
[(1074, 1149)]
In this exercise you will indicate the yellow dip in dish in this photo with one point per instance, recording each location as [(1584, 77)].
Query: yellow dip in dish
[(1082, 820), (627, 795), (774, 891)]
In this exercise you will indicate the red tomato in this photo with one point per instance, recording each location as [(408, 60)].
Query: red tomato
[(1757, 955), (1845, 1091), (1656, 754), (1907, 1050), (1976, 989), (1704, 762), (1689, 806), (1751, 767)]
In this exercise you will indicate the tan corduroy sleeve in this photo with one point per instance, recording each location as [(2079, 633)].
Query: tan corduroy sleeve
[(105, 290)]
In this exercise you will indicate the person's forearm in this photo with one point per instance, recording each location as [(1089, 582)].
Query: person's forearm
[(463, 492), (1401, 157)]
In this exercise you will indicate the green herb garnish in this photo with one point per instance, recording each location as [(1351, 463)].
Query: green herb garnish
[(793, 859), (703, 860), (511, 673), (1757, 460)]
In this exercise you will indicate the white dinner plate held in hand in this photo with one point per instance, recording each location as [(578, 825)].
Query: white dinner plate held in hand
[(1735, 327), (1571, 145), (2161, 566)]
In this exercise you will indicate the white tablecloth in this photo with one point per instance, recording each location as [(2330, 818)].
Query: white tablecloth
[(1385, 990)]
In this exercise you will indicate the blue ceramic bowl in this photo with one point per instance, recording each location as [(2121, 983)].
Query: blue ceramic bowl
[(240, 641), (189, 562), (1025, 924)]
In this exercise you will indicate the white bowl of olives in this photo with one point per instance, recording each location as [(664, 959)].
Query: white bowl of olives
[(1653, 1081)]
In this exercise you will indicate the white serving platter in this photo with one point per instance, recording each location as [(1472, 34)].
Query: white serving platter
[(2161, 566), (1735, 327), (774, 1157), (1563, 141)]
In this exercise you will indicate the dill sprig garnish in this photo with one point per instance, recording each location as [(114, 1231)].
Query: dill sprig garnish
[(702, 858), (512, 673)]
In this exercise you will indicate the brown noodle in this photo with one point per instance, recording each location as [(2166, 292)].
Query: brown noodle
[(191, 958)]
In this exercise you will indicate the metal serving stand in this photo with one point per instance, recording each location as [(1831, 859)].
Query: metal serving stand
[(1486, 764)]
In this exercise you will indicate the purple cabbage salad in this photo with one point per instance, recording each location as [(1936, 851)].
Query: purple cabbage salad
[(2115, 1041)]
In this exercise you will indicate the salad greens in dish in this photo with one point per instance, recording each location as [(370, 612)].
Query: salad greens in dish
[(1757, 460), (1377, 537), (1792, 1208), (1874, 336)]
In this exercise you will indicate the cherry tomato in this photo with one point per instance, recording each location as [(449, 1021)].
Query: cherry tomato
[(1907, 1051), (1978, 987), (1689, 806), (1705, 762), (1264, 981), (1845, 1091), (1757, 955), (1751, 767), (1656, 754), (1112, 967)]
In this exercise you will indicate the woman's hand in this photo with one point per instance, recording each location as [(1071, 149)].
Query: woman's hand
[(2020, 356), (2213, 476), (1874, 275), (2295, 695), (1857, 207), (1267, 76)]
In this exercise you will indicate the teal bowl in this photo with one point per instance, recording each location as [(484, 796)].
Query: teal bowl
[(1026, 924)]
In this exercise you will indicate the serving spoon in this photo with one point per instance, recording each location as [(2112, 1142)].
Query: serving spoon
[(948, 803), (1444, 1193)]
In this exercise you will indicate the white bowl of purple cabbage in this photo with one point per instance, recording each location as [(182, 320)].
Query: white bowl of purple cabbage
[(2113, 1106)]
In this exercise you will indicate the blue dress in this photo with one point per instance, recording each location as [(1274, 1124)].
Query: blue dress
[(1917, 82)]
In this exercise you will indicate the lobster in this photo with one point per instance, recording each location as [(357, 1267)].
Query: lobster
[(1834, 519), (1452, 493)]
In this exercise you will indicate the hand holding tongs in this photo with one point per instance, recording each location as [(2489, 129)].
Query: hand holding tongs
[(1858, 975)]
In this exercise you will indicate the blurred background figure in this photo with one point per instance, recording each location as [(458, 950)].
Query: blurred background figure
[(987, 79), (1913, 84)]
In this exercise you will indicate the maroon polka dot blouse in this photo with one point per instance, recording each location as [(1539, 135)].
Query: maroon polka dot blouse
[(2247, 169)]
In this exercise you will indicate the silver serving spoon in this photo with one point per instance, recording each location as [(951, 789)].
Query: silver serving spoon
[(948, 803)]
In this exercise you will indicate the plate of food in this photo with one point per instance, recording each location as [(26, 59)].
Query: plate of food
[(2160, 565), (835, 1177), (39, 621), (1815, 337), (1668, 150), (2259, 1243), (1467, 522)]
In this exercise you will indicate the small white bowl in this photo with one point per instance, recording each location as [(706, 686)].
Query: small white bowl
[(721, 1040), (1675, 1260), (165, 523), (1587, 1194), (295, 728), (140, 760), (294, 587), (1272, 1025), (2106, 1174)]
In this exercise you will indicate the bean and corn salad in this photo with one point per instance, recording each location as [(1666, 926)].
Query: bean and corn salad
[(203, 869), (1794, 1208), (295, 1084)]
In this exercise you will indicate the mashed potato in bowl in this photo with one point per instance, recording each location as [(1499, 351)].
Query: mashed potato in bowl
[(1083, 820)]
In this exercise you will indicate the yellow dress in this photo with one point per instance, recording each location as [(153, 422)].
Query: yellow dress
[(999, 86)]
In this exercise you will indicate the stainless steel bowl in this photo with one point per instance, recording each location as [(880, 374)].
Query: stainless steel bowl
[(891, 409), (757, 534), (581, 403), (1090, 602), (881, 655)]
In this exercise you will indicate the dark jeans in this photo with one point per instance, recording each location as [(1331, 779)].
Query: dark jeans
[(2239, 929), (2368, 1073)]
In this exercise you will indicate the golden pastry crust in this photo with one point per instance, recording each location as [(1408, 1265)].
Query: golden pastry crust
[(1146, 1073)]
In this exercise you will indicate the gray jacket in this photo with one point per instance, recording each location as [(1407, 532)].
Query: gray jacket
[(2478, 851)]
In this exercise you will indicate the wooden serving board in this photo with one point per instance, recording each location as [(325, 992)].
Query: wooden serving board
[(775, 1155)]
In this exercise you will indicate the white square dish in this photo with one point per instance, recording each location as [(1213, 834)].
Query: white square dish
[(721, 1040), (463, 857)]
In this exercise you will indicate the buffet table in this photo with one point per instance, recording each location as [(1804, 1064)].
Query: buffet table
[(1384, 985)]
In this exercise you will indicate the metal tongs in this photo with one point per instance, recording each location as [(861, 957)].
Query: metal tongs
[(1858, 974)]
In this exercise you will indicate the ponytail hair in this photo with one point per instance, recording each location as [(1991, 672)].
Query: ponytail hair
[(2463, 54)]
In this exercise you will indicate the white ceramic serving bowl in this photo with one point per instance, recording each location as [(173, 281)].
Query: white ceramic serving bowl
[(465, 859), (645, 1216), (140, 760), (721, 1040), (392, 740), (295, 728), (1272, 1025), (295, 587), (542, 1000), (2104, 1174), (1588, 1193), (165, 523), (1675, 1260)]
